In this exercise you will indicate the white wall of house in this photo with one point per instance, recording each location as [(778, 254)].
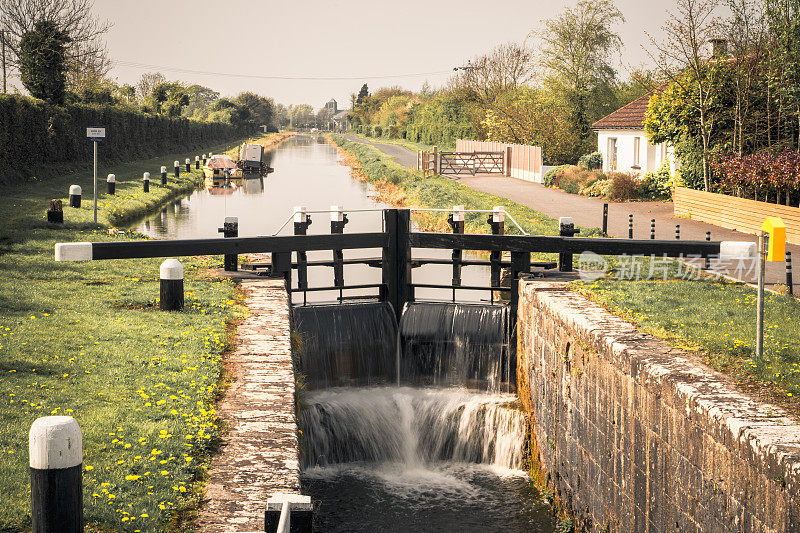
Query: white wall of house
[(650, 157)]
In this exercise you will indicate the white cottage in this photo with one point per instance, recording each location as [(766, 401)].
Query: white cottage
[(623, 143)]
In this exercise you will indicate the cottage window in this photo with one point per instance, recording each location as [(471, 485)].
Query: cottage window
[(612, 153)]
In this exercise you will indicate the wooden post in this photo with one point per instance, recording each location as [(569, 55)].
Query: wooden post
[(436, 159), (508, 162), (230, 229), (396, 259), (3, 41), (338, 222), (171, 295), (56, 462), (456, 220), (55, 213), (301, 223), (496, 221)]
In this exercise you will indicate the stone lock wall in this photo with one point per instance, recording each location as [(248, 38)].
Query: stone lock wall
[(631, 434)]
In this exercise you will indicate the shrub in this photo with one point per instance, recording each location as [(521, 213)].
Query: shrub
[(623, 186), (657, 185), (591, 161), (377, 131), (598, 188), (550, 177)]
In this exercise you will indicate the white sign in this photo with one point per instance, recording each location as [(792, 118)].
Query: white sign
[(96, 134)]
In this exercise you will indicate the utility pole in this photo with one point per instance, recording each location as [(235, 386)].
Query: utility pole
[(3, 41)]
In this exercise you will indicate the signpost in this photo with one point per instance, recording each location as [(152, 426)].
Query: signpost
[(771, 247), (95, 135)]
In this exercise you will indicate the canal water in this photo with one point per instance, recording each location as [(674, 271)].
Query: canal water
[(443, 454)]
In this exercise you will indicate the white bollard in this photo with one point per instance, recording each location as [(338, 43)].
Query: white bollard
[(498, 213), (177, 168), (458, 213), (56, 458), (146, 182), (111, 182), (75, 193), (197, 161), (164, 175), (188, 165), (171, 296)]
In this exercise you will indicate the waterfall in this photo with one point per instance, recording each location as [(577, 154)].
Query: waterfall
[(346, 344), (456, 344), (411, 427)]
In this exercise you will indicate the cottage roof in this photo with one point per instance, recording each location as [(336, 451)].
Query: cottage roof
[(628, 117)]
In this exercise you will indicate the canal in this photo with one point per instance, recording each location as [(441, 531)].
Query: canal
[(443, 458)]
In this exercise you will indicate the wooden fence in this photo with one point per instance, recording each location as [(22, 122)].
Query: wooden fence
[(734, 213), (523, 161)]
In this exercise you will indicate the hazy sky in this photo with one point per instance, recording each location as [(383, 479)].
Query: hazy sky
[(334, 38)]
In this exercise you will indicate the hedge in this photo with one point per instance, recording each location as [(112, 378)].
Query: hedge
[(34, 133)]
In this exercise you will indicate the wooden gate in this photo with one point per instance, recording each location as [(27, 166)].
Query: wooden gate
[(471, 163)]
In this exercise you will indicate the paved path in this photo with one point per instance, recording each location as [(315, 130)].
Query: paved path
[(259, 456), (588, 212), (401, 154)]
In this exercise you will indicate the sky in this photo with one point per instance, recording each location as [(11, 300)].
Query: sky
[(231, 46)]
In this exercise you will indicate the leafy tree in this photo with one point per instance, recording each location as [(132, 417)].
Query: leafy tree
[(577, 47), (362, 94), (147, 82), (168, 98), (42, 58), (262, 110), (200, 101)]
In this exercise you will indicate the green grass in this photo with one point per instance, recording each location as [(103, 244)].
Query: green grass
[(413, 146), (87, 340), (718, 318), (715, 317)]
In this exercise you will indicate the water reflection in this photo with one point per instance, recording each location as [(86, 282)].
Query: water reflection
[(307, 173)]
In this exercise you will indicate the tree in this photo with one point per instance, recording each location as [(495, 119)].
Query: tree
[(363, 94), (576, 51), (680, 57), (72, 17), (147, 82), (200, 101), (42, 58), (489, 76), (262, 110), (167, 98)]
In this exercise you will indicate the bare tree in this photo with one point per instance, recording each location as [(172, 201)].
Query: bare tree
[(683, 60), (506, 68), (73, 17), (147, 83)]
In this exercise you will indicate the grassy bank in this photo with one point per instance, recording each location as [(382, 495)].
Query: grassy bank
[(87, 340), (413, 146), (714, 317)]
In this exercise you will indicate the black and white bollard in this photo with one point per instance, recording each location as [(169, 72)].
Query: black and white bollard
[(708, 259), (677, 232), (789, 281), (146, 182), (171, 297), (566, 228), (630, 226), (197, 161), (652, 229), (605, 219), (111, 181), (230, 228), (188, 165), (75, 195), (56, 458), (209, 155), (177, 168), (204, 159), (163, 175)]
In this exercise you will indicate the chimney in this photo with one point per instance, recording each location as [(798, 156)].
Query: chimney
[(719, 47)]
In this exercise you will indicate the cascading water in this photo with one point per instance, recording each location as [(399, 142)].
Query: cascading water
[(412, 427), (415, 458), (455, 344), (346, 344)]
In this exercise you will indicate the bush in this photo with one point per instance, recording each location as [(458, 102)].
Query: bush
[(550, 177), (657, 185), (591, 161), (35, 133), (622, 186), (377, 131)]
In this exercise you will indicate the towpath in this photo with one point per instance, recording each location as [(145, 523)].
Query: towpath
[(259, 456), (588, 212)]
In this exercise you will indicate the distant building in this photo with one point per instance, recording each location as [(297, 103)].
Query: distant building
[(622, 141), (332, 106), (340, 122)]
